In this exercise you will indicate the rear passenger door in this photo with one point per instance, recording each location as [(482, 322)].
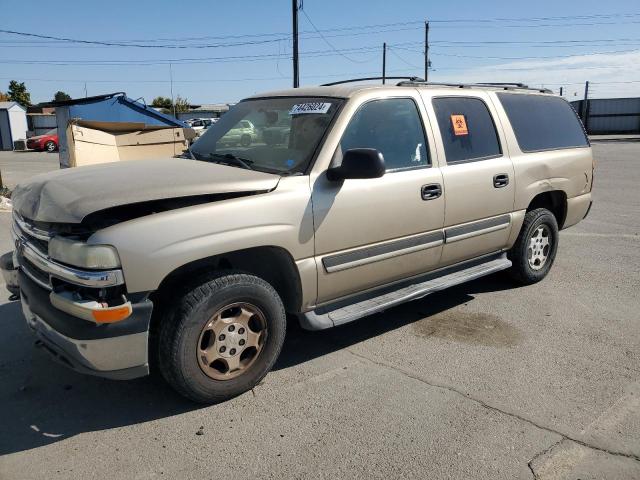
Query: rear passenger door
[(477, 172)]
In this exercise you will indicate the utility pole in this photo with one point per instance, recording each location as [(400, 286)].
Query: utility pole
[(384, 62), (584, 105), (426, 51), (296, 73), (173, 104)]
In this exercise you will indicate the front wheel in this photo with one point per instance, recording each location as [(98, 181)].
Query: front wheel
[(50, 146), (535, 249), (222, 338)]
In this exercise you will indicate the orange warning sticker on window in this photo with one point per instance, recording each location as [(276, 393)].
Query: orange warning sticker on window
[(459, 125)]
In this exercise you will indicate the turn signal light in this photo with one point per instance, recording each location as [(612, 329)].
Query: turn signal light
[(112, 315)]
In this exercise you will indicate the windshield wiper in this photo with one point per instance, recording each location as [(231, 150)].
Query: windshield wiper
[(230, 158)]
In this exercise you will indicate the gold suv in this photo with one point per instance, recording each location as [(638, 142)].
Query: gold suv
[(371, 196)]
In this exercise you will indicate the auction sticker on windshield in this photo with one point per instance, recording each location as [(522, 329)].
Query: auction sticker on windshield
[(311, 107)]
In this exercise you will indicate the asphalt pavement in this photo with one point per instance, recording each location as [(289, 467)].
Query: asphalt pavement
[(484, 380)]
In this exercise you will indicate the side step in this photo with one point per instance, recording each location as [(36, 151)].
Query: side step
[(331, 316)]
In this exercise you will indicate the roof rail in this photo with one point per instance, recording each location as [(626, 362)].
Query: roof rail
[(353, 80), (504, 86)]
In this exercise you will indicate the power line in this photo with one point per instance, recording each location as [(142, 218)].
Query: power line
[(544, 57), (144, 43), (406, 62), (263, 57), (327, 41), (135, 45), (239, 58), (214, 80)]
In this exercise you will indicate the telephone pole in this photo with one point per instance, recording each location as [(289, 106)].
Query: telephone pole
[(426, 51), (173, 104), (585, 103), (296, 73), (384, 62)]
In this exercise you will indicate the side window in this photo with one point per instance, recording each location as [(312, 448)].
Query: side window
[(467, 129), (391, 126), (543, 122)]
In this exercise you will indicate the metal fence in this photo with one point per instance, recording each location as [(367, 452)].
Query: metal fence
[(40, 123), (603, 116)]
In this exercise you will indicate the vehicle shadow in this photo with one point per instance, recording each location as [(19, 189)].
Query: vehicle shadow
[(302, 345), (43, 403)]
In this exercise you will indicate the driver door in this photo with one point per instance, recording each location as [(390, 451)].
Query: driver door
[(375, 231)]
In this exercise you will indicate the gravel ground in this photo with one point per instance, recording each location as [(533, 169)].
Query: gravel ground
[(480, 381)]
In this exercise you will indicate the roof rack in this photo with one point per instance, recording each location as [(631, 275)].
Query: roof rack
[(504, 86), (353, 80)]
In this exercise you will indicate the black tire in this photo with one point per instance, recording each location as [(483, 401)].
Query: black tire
[(522, 271), (50, 146), (181, 328), (245, 140)]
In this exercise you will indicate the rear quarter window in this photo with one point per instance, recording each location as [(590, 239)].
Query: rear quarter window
[(543, 122)]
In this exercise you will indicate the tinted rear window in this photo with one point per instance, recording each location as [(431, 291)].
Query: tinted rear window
[(467, 129), (543, 122)]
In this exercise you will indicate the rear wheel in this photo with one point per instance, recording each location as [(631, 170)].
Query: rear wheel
[(50, 146), (245, 140), (222, 338), (535, 249)]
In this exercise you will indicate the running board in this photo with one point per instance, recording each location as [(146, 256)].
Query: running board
[(326, 317)]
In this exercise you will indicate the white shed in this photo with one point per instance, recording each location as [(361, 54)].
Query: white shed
[(13, 124)]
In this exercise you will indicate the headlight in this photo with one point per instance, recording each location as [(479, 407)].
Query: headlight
[(80, 254)]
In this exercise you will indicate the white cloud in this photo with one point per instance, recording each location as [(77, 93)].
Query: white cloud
[(571, 72)]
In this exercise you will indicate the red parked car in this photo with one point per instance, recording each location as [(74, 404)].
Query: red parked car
[(47, 142)]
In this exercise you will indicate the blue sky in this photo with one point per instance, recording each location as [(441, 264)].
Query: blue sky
[(470, 41)]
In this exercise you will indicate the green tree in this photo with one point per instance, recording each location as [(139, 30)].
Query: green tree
[(18, 93), (161, 102), (60, 96), (182, 104)]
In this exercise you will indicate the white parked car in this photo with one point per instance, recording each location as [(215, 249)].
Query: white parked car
[(200, 124)]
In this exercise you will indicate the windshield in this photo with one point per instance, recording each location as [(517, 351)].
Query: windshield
[(276, 135)]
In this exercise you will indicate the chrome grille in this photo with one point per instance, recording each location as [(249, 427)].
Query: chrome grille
[(32, 245), (36, 237)]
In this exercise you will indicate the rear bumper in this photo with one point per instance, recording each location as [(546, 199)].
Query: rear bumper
[(118, 351)]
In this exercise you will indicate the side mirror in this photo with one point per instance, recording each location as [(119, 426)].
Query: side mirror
[(358, 163)]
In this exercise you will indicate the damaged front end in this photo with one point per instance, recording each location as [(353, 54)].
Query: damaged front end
[(75, 299)]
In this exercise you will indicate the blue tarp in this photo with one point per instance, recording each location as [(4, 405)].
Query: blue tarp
[(114, 107)]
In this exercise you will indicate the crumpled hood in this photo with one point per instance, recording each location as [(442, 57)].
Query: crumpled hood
[(68, 196)]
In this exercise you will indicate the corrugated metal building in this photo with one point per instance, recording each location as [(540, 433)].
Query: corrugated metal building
[(610, 115), (212, 110), (112, 107), (41, 123), (13, 124), (40, 120)]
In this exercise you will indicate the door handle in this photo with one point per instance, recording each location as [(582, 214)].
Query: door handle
[(431, 191), (500, 180)]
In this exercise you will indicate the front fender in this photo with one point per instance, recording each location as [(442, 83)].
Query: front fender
[(153, 246)]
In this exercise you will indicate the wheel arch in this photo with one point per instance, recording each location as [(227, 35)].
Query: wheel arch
[(273, 264), (553, 200)]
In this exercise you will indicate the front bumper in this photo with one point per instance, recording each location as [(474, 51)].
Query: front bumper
[(118, 351), (9, 273)]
